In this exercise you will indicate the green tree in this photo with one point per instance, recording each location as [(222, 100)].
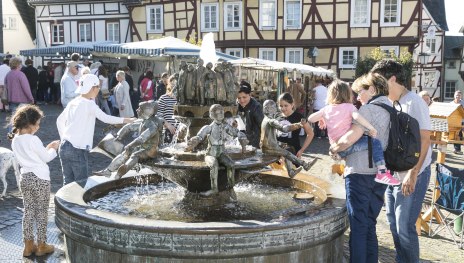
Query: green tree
[(194, 40), (364, 65)]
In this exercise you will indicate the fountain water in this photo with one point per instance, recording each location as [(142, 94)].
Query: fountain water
[(149, 219)]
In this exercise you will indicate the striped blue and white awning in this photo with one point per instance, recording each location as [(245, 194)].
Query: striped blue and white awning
[(83, 48), (162, 47)]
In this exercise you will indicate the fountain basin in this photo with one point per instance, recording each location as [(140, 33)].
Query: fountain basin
[(97, 236)]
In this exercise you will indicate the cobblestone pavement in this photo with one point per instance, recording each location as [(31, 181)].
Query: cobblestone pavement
[(438, 249)]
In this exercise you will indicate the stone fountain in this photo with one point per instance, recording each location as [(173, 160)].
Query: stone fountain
[(308, 231)]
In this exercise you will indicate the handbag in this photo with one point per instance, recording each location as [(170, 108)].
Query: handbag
[(4, 95)]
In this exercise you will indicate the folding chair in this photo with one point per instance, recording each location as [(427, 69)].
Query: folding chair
[(450, 184)]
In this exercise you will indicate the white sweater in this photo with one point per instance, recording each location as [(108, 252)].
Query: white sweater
[(32, 155), (76, 123)]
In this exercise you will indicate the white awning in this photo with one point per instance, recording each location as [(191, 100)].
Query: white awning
[(161, 48), (276, 65)]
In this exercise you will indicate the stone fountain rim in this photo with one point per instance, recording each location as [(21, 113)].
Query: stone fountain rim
[(76, 207)]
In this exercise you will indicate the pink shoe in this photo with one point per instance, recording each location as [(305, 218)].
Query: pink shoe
[(386, 178)]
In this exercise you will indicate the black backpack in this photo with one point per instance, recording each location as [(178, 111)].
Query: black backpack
[(404, 143)]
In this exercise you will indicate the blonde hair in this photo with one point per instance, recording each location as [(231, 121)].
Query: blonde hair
[(121, 74), (339, 92), (169, 87), (85, 70), (424, 93), (377, 81), (15, 63)]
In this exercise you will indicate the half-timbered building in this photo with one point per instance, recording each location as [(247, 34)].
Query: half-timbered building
[(328, 33), (428, 73), (18, 26), (68, 21)]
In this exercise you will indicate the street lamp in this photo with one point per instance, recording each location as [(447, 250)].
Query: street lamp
[(423, 60)]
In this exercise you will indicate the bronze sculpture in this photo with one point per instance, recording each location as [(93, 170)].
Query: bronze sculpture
[(145, 146), (221, 95), (200, 89), (215, 153), (189, 86), (181, 82), (230, 84), (209, 84), (268, 141)]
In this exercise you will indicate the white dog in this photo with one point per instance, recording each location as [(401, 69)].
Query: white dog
[(7, 160)]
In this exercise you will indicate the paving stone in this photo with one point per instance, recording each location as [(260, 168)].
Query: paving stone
[(437, 249)]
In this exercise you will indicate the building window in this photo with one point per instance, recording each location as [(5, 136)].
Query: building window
[(452, 64), (112, 32), (57, 34), (232, 16), (431, 44), (267, 53), (347, 57), (209, 17), (390, 12), (450, 88), (360, 13), (9, 23), (238, 52), (389, 49), (267, 14), (292, 14), (294, 55), (154, 19), (85, 32)]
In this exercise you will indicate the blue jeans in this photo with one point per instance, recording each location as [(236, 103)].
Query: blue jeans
[(361, 145), (364, 200), (74, 163), (402, 213)]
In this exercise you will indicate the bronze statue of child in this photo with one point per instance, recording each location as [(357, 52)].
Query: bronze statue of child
[(215, 153), (145, 146), (268, 141)]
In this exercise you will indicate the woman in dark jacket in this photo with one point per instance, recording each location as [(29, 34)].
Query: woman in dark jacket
[(251, 113)]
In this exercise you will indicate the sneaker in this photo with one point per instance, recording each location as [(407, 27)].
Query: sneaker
[(458, 152), (386, 178), (292, 173)]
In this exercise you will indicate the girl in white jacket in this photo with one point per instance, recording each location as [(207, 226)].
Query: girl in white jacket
[(35, 176)]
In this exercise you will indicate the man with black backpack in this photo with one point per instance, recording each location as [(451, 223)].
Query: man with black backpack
[(404, 202)]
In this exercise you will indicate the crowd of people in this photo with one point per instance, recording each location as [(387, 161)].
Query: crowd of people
[(85, 95)]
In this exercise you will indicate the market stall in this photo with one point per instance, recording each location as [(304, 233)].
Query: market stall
[(270, 78), (163, 54), (64, 51)]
